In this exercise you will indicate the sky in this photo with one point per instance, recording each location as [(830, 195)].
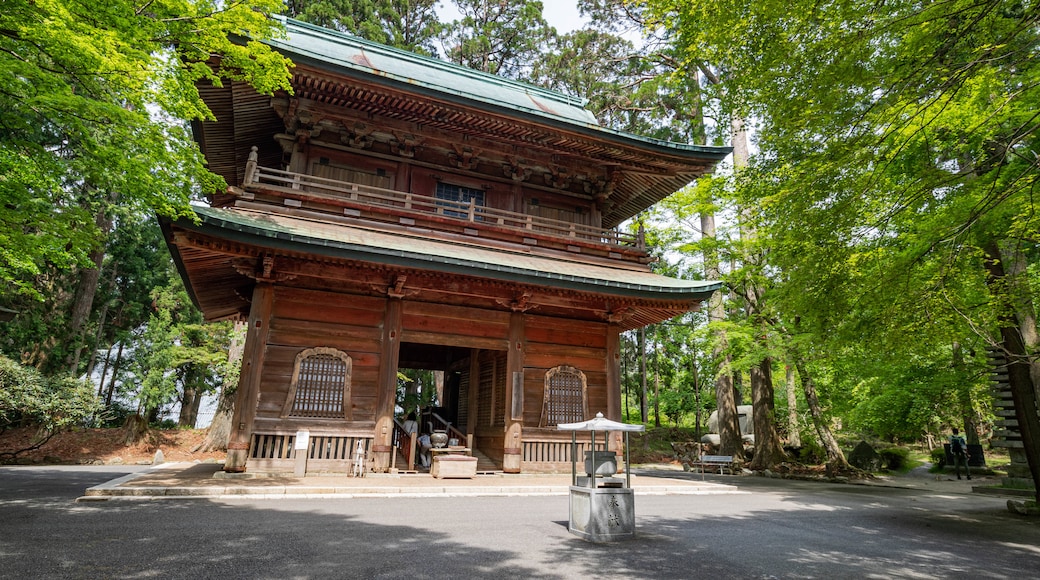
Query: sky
[(561, 14)]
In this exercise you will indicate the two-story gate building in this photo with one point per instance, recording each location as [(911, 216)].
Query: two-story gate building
[(398, 211)]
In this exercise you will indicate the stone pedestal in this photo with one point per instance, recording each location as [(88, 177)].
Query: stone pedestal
[(602, 514)]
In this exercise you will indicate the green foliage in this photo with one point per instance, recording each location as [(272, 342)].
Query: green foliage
[(92, 94), (176, 352), (416, 390), (406, 24), (894, 458), (811, 452), (938, 457), (136, 261), (500, 37), (29, 398)]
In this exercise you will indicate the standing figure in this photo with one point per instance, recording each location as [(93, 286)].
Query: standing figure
[(959, 450)]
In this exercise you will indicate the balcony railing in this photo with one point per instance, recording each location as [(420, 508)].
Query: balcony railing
[(373, 198)]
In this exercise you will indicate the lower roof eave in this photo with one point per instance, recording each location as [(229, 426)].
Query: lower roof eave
[(458, 260)]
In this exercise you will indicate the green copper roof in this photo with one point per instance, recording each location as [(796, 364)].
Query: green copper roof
[(300, 234), (332, 50), (322, 46)]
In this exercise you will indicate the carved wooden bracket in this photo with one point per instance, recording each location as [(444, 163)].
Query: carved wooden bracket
[(359, 136), (405, 144), (464, 157), (619, 315), (396, 288), (557, 177), (514, 170), (261, 269), (520, 303)]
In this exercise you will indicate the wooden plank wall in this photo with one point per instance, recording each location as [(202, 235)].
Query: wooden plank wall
[(308, 318), (455, 325), (552, 342)]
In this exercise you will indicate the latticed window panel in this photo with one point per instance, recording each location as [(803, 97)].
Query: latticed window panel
[(565, 396), (320, 385)]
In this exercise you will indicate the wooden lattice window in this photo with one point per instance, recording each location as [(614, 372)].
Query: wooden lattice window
[(566, 396), (320, 385)]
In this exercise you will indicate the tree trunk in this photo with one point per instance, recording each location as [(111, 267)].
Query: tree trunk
[(104, 372), (85, 292), (81, 305), (769, 450), (696, 397), (971, 430), (657, 381), (836, 461), (642, 373), (1014, 262), (219, 432), (115, 373), (794, 438), (1023, 391), (726, 405), (189, 413)]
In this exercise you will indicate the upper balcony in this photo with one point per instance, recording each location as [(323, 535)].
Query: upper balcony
[(437, 217)]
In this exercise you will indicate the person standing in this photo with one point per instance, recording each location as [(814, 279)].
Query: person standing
[(959, 450)]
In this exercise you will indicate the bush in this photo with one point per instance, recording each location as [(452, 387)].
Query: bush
[(895, 458), (938, 457), (114, 415), (28, 398), (811, 452)]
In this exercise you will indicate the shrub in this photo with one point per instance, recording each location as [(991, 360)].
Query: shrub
[(28, 398), (811, 452), (938, 457), (894, 458)]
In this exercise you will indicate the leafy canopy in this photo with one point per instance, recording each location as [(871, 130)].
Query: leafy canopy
[(95, 96)]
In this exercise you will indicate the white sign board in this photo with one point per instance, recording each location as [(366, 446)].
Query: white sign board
[(303, 439)]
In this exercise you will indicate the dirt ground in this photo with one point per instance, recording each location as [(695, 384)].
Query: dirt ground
[(103, 446)]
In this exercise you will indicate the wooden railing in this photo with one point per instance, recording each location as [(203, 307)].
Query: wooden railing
[(439, 424), (375, 198), (404, 441), (325, 451), (556, 452)]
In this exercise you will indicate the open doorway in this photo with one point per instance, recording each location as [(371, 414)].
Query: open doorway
[(434, 383)]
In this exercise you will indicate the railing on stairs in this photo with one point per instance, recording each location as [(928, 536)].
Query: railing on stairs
[(438, 423), (406, 443)]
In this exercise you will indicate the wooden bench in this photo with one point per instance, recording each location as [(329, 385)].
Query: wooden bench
[(721, 462)]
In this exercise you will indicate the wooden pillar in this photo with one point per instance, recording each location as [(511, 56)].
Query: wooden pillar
[(613, 368), (389, 356), (248, 393), (514, 395), (474, 391)]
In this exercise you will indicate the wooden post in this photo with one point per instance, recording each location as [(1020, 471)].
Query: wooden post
[(514, 392), (613, 368), (389, 355), (251, 164), (474, 389), (248, 393)]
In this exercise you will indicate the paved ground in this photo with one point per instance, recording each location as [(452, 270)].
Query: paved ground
[(205, 480), (772, 528)]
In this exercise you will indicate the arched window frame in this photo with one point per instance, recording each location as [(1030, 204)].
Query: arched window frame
[(551, 419), (294, 385)]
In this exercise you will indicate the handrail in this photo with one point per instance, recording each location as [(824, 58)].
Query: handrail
[(448, 427), (405, 441), (377, 197)]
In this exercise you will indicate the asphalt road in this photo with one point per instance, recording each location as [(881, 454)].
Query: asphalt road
[(782, 530)]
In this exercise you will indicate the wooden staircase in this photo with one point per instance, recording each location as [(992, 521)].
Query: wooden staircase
[(485, 466)]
